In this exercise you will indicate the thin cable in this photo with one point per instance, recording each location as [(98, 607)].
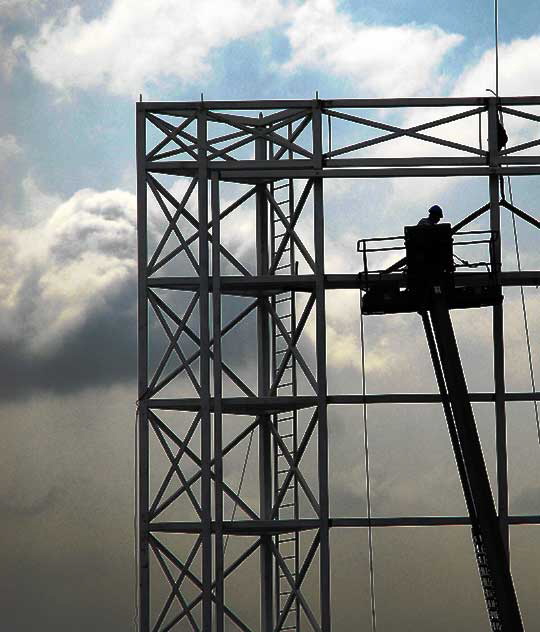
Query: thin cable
[(246, 458), (368, 482), (136, 518), (525, 316), (497, 48)]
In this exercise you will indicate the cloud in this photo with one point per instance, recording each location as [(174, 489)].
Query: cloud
[(19, 8), (9, 148), (518, 71), (128, 49), (382, 61), (68, 295)]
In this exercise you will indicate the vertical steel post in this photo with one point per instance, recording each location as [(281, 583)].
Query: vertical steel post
[(322, 410), (263, 378), (204, 317), (142, 343), (498, 330), (218, 393)]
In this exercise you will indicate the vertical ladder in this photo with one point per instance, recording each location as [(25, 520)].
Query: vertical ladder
[(492, 560), (286, 423)]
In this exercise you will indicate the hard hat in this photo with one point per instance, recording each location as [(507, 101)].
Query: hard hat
[(436, 210)]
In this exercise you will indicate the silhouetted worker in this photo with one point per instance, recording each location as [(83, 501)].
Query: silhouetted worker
[(502, 136), (434, 216)]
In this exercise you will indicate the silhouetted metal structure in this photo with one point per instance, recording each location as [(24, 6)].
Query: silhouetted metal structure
[(268, 147)]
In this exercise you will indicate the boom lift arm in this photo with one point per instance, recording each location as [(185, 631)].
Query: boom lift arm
[(431, 291)]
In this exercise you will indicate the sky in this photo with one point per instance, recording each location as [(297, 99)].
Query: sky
[(70, 74)]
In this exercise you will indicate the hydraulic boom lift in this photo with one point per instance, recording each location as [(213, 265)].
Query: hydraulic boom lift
[(432, 289)]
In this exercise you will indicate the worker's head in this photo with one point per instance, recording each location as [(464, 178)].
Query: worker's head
[(435, 213)]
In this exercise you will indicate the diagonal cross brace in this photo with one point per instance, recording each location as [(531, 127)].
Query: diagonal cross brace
[(189, 217), (240, 560), (173, 225), (266, 133), (195, 580), (191, 334), (233, 495), (240, 437), (169, 135), (292, 342), (298, 457), (176, 468), (293, 469), (289, 229), (173, 343), (175, 585), (195, 236), (399, 132), (169, 475), (295, 586)]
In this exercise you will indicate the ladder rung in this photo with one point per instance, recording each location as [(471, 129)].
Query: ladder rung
[(283, 316), (285, 385), (286, 540), (281, 186), (286, 265), (280, 419), (286, 505), (288, 435), (283, 300)]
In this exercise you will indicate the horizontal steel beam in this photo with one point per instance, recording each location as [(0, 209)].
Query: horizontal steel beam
[(238, 405), (292, 167), (278, 104), (247, 176), (264, 285), (273, 527), (269, 405)]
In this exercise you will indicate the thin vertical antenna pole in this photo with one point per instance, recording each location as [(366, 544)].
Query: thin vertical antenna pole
[(322, 398), (498, 332), (204, 315), (142, 343), (497, 48), (263, 378), (218, 393)]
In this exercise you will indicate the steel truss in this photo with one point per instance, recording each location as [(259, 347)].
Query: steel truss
[(270, 147)]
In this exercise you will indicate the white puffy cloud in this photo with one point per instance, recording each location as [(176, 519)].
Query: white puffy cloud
[(128, 48), (63, 267), (518, 70), (383, 61)]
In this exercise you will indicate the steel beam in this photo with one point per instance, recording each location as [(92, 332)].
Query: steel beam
[(263, 388), (204, 371), (142, 343), (180, 152), (217, 409), (498, 333), (322, 412)]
